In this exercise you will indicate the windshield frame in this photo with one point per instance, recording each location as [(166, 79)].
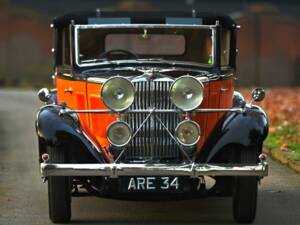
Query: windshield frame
[(141, 26)]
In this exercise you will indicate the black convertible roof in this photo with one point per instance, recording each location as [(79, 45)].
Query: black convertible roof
[(156, 17)]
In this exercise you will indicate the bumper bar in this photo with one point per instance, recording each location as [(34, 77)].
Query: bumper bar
[(191, 169)]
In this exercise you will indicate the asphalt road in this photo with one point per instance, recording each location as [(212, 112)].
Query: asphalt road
[(23, 196)]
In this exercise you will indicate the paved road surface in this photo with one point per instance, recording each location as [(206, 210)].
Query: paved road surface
[(23, 197)]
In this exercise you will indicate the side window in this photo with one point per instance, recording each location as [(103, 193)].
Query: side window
[(225, 47), (66, 47)]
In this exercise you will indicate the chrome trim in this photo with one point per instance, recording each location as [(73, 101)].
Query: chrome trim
[(91, 141), (98, 80), (190, 169), (202, 79), (68, 90), (148, 76), (95, 26), (224, 89), (118, 26), (214, 44), (238, 110)]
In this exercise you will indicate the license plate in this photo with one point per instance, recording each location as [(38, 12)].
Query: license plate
[(153, 184)]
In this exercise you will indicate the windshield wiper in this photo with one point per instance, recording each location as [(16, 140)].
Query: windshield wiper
[(94, 60), (99, 62), (150, 59), (110, 61)]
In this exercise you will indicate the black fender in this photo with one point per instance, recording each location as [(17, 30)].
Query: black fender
[(238, 100), (53, 97), (247, 129), (55, 129)]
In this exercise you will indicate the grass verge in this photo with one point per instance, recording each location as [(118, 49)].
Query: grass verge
[(283, 144)]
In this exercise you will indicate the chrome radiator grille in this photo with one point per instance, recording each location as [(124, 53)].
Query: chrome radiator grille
[(152, 142)]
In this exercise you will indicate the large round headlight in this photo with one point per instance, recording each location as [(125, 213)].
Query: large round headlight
[(187, 133), (118, 133), (187, 93), (117, 93)]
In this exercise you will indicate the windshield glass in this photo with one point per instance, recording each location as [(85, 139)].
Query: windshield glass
[(95, 45), (154, 44)]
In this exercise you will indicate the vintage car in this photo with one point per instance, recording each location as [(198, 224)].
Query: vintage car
[(144, 107)]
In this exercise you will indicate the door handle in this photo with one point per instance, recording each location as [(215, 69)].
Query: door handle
[(224, 89), (68, 90)]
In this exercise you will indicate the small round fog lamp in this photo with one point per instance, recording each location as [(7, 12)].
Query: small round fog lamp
[(187, 133), (118, 133)]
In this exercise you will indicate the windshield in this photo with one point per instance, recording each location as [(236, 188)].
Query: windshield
[(95, 45), (154, 44)]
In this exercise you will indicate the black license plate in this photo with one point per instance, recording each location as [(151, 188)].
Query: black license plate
[(154, 184)]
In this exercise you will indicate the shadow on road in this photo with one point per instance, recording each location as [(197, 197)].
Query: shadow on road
[(201, 211)]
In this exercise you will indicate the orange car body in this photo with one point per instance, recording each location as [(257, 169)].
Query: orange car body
[(84, 95)]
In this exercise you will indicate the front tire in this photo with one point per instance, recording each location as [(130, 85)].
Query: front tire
[(59, 191), (245, 190)]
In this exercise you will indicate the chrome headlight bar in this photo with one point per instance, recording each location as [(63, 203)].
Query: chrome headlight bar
[(105, 111)]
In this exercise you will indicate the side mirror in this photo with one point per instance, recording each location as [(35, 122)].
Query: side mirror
[(44, 94), (258, 94)]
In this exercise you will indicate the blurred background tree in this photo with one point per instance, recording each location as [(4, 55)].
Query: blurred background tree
[(268, 44)]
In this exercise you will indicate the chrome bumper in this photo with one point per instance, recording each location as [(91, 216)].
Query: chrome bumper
[(191, 169)]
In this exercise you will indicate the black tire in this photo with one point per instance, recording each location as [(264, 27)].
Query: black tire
[(245, 190), (59, 191)]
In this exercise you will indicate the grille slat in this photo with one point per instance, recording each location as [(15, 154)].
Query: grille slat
[(152, 142)]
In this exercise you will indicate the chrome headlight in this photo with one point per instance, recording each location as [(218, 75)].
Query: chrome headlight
[(187, 133), (187, 93), (117, 93), (118, 133)]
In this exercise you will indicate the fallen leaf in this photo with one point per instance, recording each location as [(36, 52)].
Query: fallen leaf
[(284, 147), (285, 123), (272, 130)]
